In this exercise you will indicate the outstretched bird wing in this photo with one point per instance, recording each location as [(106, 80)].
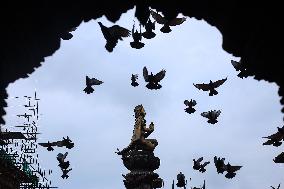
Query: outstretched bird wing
[(59, 143), (159, 76), (200, 159), (93, 81), (206, 163), (177, 21), (145, 74), (274, 187), (203, 86), (192, 102), (119, 32), (62, 156), (234, 168), (215, 160), (65, 155), (205, 114), (47, 144), (187, 103), (159, 18), (134, 77), (219, 82), (216, 113), (276, 136), (237, 65)]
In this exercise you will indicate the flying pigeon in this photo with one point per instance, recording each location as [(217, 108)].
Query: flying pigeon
[(113, 34), (211, 86), (167, 23), (153, 80), (90, 83)]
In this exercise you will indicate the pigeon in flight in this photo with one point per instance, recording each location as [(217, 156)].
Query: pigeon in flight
[(167, 23), (197, 165), (212, 116), (134, 77), (220, 164), (275, 188), (48, 145), (137, 37), (90, 83), (181, 181), (65, 172), (231, 170), (190, 105), (113, 34), (153, 80), (211, 86), (279, 158), (150, 26), (240, 67), (276, 138), (65, 142), (61, 159)]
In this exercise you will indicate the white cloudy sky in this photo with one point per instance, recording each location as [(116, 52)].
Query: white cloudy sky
[(100, 122)]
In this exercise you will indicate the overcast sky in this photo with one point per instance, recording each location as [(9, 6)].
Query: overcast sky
[(100, 122)]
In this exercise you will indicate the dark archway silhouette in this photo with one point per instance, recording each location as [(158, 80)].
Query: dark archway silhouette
[(32, 31)]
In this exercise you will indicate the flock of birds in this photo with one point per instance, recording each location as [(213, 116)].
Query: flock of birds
[(219, 164), (153, 83), (115, 33), (276, 140), (64, 165)]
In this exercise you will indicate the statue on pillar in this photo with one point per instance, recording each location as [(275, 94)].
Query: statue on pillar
[(140, 133), (138, 156)]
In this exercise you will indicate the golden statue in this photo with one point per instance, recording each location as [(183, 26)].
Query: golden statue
[(140, 133)]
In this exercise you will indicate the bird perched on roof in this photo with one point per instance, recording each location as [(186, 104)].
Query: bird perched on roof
[(149, 27), (231, 170), (134, 77), (197, 165), (113, 34), (211, 86), (190, 105), (90, 83), (153, 80), (275, 139), (167, 23), (212, 116)]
